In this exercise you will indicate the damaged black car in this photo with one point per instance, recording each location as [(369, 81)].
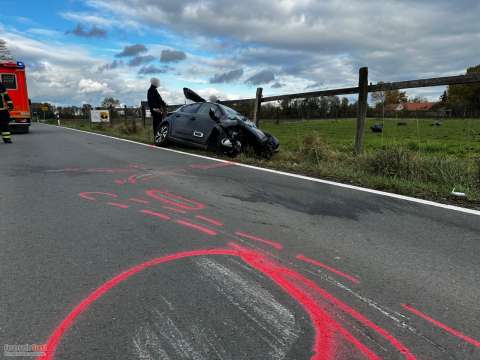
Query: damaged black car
[(216, 127)]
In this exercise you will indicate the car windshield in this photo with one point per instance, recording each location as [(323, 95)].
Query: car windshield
[(229, 112)]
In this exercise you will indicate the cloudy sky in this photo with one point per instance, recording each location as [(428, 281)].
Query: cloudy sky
[(81, 51)]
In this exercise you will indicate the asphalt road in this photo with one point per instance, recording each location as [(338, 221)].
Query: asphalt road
[(114, 250)]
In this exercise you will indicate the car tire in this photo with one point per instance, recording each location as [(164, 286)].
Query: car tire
[(161, 136)]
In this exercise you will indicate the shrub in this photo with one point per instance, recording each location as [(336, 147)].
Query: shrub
[(314, 149), (391, 162), (403, 164), (128, 128)]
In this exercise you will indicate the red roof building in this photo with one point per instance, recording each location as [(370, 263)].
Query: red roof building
[(414, 106)]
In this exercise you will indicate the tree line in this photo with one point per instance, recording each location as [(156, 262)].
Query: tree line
[(455, 101)]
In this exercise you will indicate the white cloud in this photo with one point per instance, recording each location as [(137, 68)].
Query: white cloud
[(306, 44), (90, 86), (82, 17), (396, 39)]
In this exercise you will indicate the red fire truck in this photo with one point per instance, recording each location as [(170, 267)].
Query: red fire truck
[(12, 75)]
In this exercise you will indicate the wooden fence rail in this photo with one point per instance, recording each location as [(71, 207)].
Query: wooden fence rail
[(441, 81), (362, 90)]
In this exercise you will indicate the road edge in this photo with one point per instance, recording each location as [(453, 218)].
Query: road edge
[(297, 176)]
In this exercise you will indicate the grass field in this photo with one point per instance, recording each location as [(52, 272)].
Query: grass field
[(414, 159), (456, 137)]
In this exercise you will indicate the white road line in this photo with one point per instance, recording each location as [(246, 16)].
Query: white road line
[(297, 176)]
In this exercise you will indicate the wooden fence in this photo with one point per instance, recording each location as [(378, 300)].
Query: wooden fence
[(362, 90)]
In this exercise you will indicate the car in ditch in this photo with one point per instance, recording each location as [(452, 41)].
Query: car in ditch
[(213, 126)]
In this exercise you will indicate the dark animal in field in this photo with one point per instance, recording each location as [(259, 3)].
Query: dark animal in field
[(377, 128)]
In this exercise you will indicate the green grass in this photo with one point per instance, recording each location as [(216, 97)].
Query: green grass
[(415, 160), (456, 137)]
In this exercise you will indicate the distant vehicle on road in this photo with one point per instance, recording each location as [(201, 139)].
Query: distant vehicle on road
[(12, 75), (214, 126)]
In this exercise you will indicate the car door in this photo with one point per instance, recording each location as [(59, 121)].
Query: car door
[(181, 124), (203, 124)]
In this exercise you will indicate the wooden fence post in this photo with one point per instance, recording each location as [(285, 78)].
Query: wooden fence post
[(257, 106), (361, 108)]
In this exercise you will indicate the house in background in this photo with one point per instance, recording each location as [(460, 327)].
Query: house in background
[(415, 106), (413, 109)]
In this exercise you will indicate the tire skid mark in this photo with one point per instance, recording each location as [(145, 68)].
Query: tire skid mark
[(209, 220), (353, 313), (371, 303), (325, 326), (259, 239), (442, 326), (351, 278), (257, 304), (162, 339), (181, 343), (148, 345), (292, 283), (100, 291)]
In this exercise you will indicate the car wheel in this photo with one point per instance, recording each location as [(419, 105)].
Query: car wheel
[(161, 136)]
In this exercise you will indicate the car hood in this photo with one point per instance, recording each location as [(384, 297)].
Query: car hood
[(192, 95)]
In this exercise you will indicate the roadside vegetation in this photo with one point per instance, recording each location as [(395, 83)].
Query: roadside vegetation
[(415, 157)]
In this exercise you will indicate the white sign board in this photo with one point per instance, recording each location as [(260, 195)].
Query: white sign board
[(148, 114), (99, 116)]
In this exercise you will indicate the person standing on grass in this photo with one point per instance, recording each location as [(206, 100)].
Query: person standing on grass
[(158, 107), (6, 105)]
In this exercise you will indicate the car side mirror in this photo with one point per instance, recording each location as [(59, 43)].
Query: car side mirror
[(213, 115)]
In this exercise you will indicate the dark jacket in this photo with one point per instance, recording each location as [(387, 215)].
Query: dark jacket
[(155, 101), (5, 102)]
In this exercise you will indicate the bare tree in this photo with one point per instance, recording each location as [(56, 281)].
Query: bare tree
[(4, 52), (379, 97)]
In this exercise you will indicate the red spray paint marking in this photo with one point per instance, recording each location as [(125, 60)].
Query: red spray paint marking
[(156, 214), (448, 329), (197, 227), (323, 324), (89, 195), (210, 166), (353, 313), (328, 268), (118, 205), (174, 209), (66, 323), (120, 182), (138, 201), (175, 200), (256, 238), (323, 348), (110, 171), (209, 220)]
